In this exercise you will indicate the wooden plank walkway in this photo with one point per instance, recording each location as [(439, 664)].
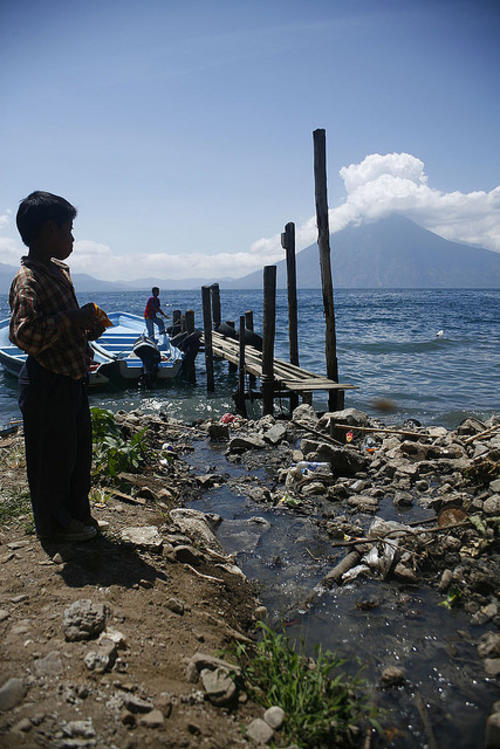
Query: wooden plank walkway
[(286, 375)]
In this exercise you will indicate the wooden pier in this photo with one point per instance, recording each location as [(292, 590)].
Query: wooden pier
[(278, 378), (287, 376)]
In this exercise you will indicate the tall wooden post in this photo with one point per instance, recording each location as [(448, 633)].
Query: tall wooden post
[(241, 375), (176, 317), (207, 334), (334, 401), (249, 326), (288, 244), (268, 329), (189, 320), (216, 304)]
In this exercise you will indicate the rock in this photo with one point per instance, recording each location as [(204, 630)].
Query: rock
[(495, 486), (12, 692), (491, 506), (405, 573), (402, 499), (83, 729), (154, 719), (101, 660), (136, 704), (392, 676), (83, 620), (209, 479), (364, 503), (259, 731), (188, 555), (492, 738), (175, 605), (23, 726), (146, 537), (274, 717), (218, 432), (201, 661), (343, 461), (220, 688), (275, 434), (445, 580), (489, 645), (242, 444), (127, 718), (4, 614), (305, 414), (492, 667), (51, 665), (313, 488), (470, 426), (350, 416), (198, 526)]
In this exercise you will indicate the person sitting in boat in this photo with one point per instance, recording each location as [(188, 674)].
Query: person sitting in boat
[(54, 330), (153, 309)]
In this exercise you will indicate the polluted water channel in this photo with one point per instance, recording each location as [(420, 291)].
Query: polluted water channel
[(445, 698)]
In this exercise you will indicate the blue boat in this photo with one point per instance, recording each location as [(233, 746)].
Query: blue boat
[(12, 358), (120, 345)]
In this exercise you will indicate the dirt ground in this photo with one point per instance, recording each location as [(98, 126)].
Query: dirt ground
[(66, 704)]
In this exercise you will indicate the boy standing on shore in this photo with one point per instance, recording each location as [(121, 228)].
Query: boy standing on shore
[(49, 325)]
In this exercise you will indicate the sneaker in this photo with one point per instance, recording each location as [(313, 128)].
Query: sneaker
[(75, 531)]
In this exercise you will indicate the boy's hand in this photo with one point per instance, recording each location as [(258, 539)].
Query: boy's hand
[(83, 318), (96, 330)]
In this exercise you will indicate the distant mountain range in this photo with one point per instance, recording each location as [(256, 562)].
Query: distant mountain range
[(390, 253)]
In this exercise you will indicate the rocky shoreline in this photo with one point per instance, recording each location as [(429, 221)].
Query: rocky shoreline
[(112, 643)]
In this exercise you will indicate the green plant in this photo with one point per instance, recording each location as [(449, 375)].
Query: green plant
[(324, 705), (113, 453), (14, 503)]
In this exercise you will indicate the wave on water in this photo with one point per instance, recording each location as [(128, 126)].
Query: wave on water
[(403, 347)]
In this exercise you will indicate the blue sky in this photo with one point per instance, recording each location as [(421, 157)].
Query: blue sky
[(182, 131)]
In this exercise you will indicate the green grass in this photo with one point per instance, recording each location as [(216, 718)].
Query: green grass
[(14, 503), (324, 706)]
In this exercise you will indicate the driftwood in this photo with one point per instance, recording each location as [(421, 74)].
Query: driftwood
[(324, 437), (481, 435), (424, 715), (350, 427)]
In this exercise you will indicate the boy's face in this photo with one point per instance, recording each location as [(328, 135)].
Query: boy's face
[(60, 239)]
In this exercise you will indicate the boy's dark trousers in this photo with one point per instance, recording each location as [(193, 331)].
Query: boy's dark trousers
[(58, 440)]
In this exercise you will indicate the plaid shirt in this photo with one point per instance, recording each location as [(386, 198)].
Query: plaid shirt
[(40, 296)]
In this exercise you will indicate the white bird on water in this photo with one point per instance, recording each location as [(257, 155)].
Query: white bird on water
[(439, 333)]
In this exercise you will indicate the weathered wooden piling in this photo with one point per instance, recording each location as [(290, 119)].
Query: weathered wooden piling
[(189, 320), (242, 409), (176, 317), (288, 244), (268, 330), (249, 326), (335, 397), (207, 335), (216, 316)]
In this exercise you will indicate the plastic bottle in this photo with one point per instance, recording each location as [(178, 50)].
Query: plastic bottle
[(369, 445), (309, 466)]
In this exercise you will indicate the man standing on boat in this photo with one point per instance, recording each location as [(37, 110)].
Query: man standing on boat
[(153, 309)]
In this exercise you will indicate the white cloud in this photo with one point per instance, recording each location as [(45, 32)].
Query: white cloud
[(376, 187), (396, 183)]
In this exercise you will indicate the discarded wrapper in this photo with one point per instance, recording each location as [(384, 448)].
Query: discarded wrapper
[(102, 316)]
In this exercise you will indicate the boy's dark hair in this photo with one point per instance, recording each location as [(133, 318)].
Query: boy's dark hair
[(38, 208), (155, 288)]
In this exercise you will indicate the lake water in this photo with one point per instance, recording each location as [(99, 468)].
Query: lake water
[(386, 345)]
